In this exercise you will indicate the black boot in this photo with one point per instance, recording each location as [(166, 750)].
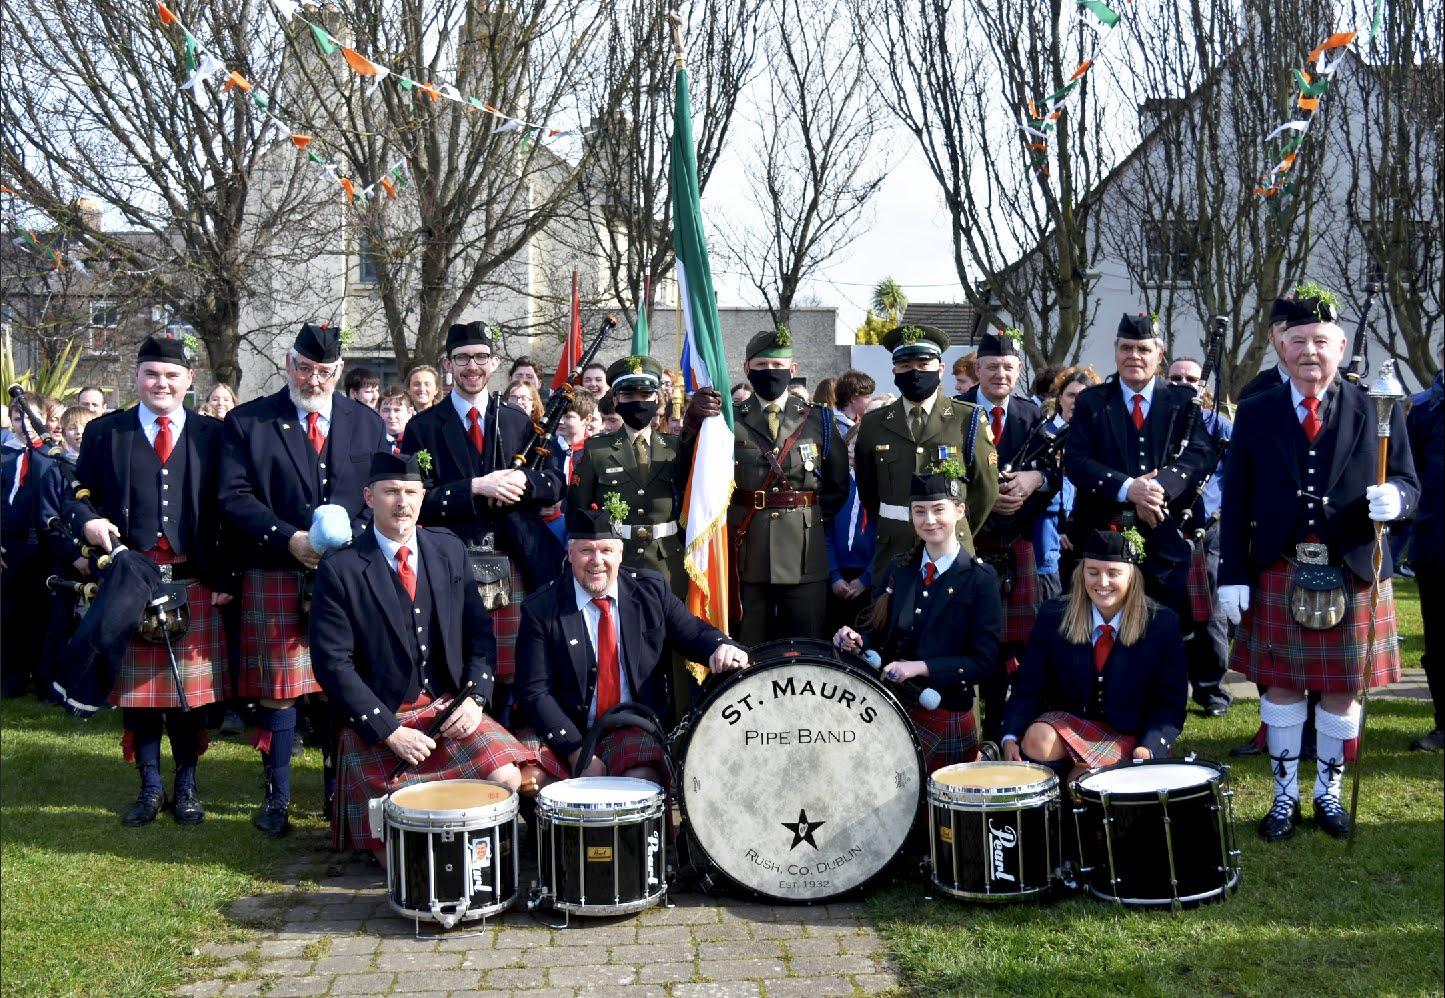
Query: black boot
[(1281, 821), (1332, 817), (149, 804), (187, 801), (274, 817)]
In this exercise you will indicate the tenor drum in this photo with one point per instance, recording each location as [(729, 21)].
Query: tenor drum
[(601, 844), (451, 850), (993, 830), (801, 776), (1157, 833)]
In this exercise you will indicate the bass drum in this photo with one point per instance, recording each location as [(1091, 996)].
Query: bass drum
[(801, 776)]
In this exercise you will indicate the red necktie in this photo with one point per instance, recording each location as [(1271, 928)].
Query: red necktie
[(1312, 424), (1103, 646), (405, 572), (396, 447), (474, 429), (997, 424), (1138, 412), (24, 468), (313, 431), (609, 678), (930, 572), (164, 444)]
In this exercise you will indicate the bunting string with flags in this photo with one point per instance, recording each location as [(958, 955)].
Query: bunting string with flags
[(1312, 82), (328, 44), (1039, 120), (202, 67)]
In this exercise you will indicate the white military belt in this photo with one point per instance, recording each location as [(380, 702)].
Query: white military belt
[(647, 531), (888, 511)]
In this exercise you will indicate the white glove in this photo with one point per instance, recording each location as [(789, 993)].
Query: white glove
[(1386, 502), (1233, 601)]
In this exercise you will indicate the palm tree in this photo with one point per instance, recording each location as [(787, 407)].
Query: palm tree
[(889, 301)]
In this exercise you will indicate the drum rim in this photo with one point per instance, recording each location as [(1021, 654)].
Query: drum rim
[(654, 792), (598, 816), (1009, 796), (425, 818), (681, 738), (1217, 772)]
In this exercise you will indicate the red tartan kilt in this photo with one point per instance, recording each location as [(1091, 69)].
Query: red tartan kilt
[(1201, 599), (1091, 744), (145, 679), (362, 770), (945, 736), (620, 749), (505, 621), (1021, 605), (275, 648), (1273, 650)]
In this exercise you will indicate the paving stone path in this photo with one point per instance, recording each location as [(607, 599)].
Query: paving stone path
[(336, 935)]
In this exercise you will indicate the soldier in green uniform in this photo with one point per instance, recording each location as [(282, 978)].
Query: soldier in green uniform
[(790, 477), (641, 468), (914, 434)]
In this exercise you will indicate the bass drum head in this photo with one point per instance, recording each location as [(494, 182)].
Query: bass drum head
[(801, 779), (1147, 778)]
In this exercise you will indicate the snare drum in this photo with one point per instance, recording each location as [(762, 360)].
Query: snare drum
[(601, 844), (450, 848), (801, 776), (1157, 833), (993, 830)]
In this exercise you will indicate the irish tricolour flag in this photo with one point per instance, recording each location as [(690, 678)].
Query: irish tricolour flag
[(711, 483)]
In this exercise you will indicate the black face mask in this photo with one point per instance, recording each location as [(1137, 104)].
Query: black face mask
[(917, 386), (637, 414), (770, 382)]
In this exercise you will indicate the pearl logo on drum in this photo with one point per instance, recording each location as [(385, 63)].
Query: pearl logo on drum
[(802, 831), (1000, 839)]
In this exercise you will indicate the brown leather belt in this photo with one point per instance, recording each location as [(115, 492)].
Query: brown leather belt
[(775, 500)]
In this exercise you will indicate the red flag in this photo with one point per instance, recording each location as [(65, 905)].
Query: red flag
[(572, 349)]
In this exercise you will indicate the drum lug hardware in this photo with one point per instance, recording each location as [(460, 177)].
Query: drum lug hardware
[(446, 835)]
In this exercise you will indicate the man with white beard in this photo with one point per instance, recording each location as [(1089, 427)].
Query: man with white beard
[(283, 456)]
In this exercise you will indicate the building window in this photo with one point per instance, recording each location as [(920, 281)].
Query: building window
[(367, 269), (1170, 250), (1404, 249), (104, 318)]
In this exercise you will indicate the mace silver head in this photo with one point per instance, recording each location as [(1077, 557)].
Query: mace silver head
[(1386, 390)]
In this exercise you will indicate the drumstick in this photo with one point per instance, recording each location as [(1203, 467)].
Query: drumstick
[(928, 697), (436, 725)]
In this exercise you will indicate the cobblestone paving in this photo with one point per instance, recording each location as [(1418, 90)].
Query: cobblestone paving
[(337, 936)]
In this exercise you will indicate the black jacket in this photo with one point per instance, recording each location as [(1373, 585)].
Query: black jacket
[(1102, 452), (557, 668), (1427, 444), (1145, 686), (518, 529), (956, 634), (1021, 417), (366, 666), (104, 468), (1268, 490), (267, 487), (1261, 382)]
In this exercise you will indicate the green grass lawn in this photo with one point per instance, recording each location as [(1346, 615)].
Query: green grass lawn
[(90, 907), (1312, 916)]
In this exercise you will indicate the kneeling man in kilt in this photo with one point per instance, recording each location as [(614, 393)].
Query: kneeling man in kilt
[(147, 478), (398, 630), (1296, 545), (595, 638)]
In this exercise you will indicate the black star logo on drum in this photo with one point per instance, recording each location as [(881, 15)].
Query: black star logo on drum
[(802, 830)]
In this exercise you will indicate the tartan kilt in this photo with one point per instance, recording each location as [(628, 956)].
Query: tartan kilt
[(1201, 597), (1021, 606), (1091, 744), (1273, 650), (275, 647), (144, 678), (945, 736), (505, 622), (362, 770), (620, 749)]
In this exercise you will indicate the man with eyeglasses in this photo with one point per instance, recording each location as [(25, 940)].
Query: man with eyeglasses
[(282, 456), (472, 436)]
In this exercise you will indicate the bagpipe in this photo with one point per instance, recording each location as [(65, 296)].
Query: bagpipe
[(1184, 507), (539, 446), (1360, 349)]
